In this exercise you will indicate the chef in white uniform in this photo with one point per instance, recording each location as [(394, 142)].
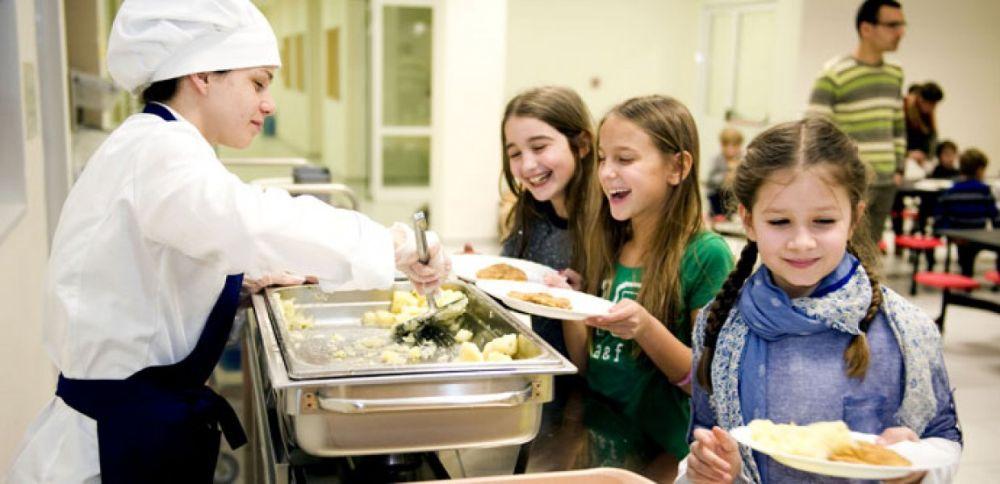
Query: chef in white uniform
[(154, 241)]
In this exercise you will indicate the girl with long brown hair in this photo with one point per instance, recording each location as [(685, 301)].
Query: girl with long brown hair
[(648, 252), (812, 335), (548, 156)]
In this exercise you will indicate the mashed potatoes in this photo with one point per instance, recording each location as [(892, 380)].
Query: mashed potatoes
[(822, 440), (405, 306), (295, 319), (817, 440), (503, 348)]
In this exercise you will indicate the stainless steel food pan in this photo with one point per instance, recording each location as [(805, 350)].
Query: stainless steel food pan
[(357, 407)]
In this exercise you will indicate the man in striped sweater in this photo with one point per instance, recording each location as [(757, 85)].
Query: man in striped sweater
[(862, 94)]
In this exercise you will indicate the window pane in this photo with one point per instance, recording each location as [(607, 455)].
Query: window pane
[(406, 86), (753, 93), (406, 161)]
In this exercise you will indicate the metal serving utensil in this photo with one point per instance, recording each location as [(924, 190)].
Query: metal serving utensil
[(434, 325)]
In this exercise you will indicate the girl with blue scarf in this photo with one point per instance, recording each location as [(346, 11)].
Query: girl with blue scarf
[(811, 335)]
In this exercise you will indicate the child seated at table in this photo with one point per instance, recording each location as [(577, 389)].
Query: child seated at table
[(723, 167), (946, 154), (969, 204)]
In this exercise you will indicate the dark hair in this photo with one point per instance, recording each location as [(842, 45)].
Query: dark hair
[(564, 110), (800, 145), (913, 88), (163, 91), (943, 146), (868, 12), (160, 91), (930, 91), (971, 161)]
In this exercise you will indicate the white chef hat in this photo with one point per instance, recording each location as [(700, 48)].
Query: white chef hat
[(154, 40)]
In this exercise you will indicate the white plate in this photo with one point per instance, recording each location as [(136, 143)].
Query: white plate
[(922, 457), (467, 265), (583, 305)]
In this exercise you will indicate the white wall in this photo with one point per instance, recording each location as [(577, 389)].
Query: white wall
[(289, 18), (634, 47), (343, 139), (27, 375), (333, 140), (468, 101)]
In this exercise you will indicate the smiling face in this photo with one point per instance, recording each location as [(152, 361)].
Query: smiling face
[(635, 176), (540, 157), (237, 102), (801, 221)]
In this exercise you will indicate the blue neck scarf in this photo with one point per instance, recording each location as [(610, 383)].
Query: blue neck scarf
[(839, 303)]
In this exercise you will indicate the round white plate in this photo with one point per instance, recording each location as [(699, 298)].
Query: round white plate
[(922, 457), (467, 265), (583, 305)]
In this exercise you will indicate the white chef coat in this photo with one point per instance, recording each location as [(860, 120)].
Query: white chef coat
[(146, 239)]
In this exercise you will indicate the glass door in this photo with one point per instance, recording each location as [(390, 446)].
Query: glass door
[(402, 33)]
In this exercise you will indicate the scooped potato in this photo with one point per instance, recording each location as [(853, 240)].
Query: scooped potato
[(506, 344), (526, 348), (469, 352)]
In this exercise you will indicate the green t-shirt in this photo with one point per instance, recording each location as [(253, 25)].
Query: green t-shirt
[(617, 369)]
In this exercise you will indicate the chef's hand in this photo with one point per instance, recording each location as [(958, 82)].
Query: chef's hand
[(892, 435), (714, 457), (627, 319), (425, 277), (254, 286)]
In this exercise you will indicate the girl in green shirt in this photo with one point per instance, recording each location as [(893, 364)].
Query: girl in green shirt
[(649, 253)]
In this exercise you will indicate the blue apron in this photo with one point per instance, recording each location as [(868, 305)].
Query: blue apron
[(162, 423)]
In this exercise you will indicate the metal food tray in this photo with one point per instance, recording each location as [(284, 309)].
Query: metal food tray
[(309, 352), (364, 407)]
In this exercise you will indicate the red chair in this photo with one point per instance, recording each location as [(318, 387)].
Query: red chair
[(917, 244), (947, 282), (994, 277)]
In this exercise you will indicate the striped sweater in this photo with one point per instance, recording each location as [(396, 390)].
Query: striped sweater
[(866, 102)]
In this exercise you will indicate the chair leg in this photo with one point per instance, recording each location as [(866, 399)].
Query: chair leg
[(944, 307), (915, 259)]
